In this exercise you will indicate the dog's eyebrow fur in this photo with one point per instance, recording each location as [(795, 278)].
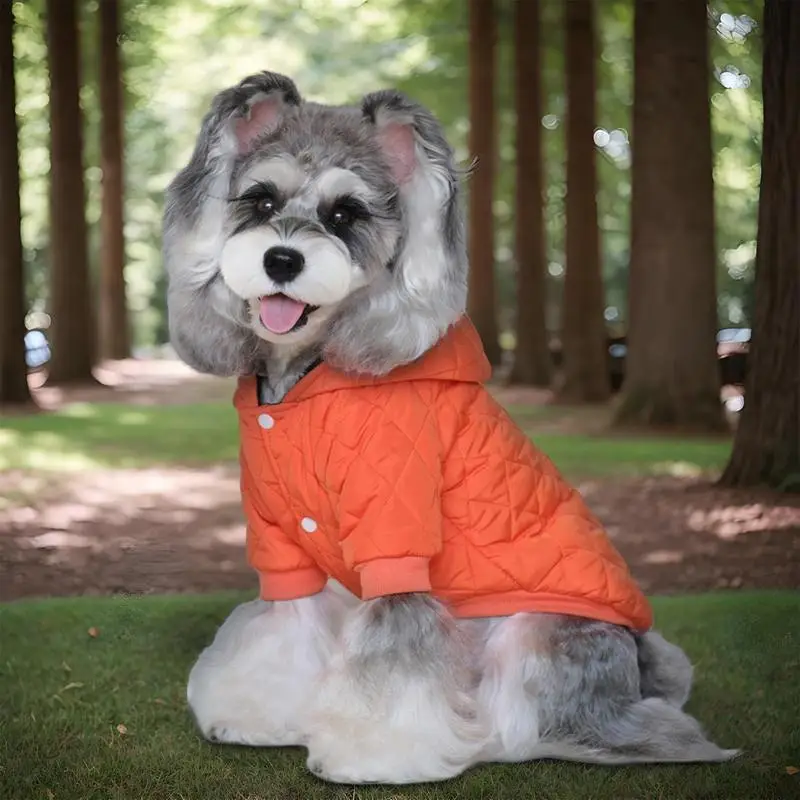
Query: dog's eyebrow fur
[(337, 182), (283, 173)]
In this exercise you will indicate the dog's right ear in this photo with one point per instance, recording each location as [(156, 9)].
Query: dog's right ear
[(208, 326), (251, 109)]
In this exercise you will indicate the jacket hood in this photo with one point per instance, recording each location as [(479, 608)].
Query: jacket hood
[(457, 357)]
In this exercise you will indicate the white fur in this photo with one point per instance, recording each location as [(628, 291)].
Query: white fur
[(284, 172), (326, 278), (283, 674), (395, 726), (424, 258), (336, 182), (509, 665), (253, 683)]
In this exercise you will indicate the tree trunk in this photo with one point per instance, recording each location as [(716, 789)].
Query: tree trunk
[(13, 370), (114, 339), (585, 378), (671, 370), (532, 364), (71, 306), (767, 445), (482, 40)]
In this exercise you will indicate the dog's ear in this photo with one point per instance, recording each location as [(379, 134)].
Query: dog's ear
[(254, 107), (398, 319), (421, 162), (209, 327)]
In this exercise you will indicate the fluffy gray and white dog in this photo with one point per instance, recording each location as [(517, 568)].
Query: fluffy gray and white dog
[(300, 232)]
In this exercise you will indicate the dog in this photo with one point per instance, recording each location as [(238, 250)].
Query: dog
[(409, 625)]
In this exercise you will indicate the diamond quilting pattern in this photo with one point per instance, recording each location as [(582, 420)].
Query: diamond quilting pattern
[(424, 464)]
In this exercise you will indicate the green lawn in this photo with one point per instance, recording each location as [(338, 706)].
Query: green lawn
[(116, 435), (63, 694)]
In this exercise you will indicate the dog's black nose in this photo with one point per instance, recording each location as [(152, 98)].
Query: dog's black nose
[(283, 264)]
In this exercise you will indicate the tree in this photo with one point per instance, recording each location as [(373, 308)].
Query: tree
[(585, 376), (671, 371), (766, 449), (482, 42), (71, 309), (114, 339), (13, 370), (532, 363)]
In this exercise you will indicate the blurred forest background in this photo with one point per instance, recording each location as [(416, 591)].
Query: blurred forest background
[(634, 264), (603, 263), (634, 237), (178, 53)]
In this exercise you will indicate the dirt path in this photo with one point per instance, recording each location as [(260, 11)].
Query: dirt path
[(178, 530)]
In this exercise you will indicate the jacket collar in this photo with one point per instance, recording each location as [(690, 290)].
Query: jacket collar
[(458, 357)]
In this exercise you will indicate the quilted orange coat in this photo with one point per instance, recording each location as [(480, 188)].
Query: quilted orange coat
[(419, 481)]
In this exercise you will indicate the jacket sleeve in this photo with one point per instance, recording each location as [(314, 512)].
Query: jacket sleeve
[(285, 570), (390, 507)]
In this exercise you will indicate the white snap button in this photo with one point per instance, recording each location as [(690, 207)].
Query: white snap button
[(266, 421), (308, 524)]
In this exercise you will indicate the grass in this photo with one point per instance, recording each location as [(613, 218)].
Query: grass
[(64, 694), (116, 435)]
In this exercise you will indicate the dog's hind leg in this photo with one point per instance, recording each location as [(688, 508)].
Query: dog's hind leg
[(574, 690), (397, 704), (252, 684)]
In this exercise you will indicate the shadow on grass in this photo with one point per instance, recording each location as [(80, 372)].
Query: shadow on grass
[(98, 539)]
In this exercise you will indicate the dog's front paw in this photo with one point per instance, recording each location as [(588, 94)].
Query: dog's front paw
[(405, 735), (225, 733), (387, 759)]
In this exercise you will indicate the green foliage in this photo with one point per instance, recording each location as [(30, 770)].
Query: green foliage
[(65, 694), (178, 53)]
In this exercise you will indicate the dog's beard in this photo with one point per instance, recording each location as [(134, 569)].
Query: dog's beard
[(291, 312)]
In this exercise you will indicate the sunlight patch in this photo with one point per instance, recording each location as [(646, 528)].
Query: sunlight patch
[(133, 418), (80, 411), (728, 522), (663, 557), (678, 469)]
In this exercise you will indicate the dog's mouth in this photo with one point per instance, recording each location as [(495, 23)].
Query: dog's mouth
[(281, 314)]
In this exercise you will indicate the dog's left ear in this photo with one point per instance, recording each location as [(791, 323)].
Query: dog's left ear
[(405, 315), (422, 164)]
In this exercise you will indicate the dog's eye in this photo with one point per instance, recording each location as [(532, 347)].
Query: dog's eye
[(341, 217), (266, 207)]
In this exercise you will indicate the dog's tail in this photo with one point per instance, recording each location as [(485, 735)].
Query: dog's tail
[(653, 729), (649, 731), (664, 669)]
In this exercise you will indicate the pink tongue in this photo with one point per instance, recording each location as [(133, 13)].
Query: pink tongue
[(280, 313)]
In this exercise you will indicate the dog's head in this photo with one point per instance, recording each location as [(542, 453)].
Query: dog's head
[(297, 226)]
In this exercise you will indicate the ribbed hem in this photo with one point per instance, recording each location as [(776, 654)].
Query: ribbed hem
[(508, 603), (291, 585), (394, 576)]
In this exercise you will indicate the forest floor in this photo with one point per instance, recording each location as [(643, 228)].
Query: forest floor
[(131, 487)]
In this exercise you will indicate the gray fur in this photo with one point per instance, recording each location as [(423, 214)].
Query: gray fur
[(390, 323), (666, 671), (414, 291), (410, 634), (594, 703), (208, 324)]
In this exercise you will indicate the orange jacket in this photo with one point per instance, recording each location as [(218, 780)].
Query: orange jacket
[(420, 481)]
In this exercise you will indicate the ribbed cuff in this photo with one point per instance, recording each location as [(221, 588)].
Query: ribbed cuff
[(395, 576), (291, 585)]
